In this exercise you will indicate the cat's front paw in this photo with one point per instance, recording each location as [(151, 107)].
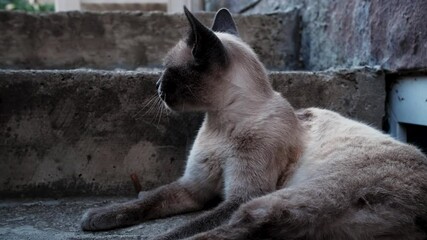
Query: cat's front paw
[(94, 220), (142, 194), (98, 219)]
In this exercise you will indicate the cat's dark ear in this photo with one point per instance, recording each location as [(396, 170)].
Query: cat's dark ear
[(224, 22), (206, 46)]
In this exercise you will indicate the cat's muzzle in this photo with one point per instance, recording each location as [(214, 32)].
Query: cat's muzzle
[(166, 91), (160, 92)]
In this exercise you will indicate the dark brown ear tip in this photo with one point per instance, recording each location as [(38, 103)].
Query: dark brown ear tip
[(223, 11), (190, 16), (185, 9), (224, 22)]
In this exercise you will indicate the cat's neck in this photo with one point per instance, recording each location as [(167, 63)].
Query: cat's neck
[(245, 94), (242, 102)]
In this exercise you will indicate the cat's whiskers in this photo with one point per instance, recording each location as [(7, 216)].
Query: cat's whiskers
[(160, 115), (147, 105), (153, 107), (156, 108)]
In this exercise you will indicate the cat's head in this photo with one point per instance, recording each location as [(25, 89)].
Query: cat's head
[(205, 70)]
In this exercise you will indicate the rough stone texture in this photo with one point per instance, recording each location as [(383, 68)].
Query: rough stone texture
[(53, 219), (388, 33), (124, 7), (236, 6), (84, 132), (356, 94), (129, 40)]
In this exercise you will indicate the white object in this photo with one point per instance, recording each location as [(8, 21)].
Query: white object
[(67, 5), (407, 104)]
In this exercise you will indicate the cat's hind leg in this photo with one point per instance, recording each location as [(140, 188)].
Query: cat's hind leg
[(317, 213)]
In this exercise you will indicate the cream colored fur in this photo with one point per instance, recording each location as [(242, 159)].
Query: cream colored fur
[(282, 174), (350, 181)]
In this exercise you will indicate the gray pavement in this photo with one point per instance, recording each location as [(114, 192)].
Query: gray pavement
[(60, 218)]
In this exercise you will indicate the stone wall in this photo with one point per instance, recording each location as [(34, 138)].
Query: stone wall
[(85, 132), (129, 40), (391, 34), (124, 7), (294, 35), (70, 132)]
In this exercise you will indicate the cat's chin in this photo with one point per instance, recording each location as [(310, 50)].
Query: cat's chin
[(170, 108), (183, 108), (175, 107)]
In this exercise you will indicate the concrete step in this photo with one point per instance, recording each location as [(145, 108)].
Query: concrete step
[(83, 132), (129, 40), (58, 219)]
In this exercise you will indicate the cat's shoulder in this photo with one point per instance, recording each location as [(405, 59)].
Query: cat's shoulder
[(328, 124)]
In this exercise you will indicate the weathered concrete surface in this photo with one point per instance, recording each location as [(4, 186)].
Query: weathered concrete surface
[(356, 94), (84, 132), (235, 6), (129, 40), (388, 33), (41, 219), (145, 7)]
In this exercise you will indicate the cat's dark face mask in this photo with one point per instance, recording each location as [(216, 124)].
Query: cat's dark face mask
[(188, 79)]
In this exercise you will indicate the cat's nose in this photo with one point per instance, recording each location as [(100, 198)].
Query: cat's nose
[(160, 91), (162, 95), (158, 84)]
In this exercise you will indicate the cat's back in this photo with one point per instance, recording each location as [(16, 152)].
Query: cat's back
[(335, 144)]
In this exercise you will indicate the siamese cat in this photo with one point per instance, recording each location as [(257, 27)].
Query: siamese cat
[(281, 173)]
